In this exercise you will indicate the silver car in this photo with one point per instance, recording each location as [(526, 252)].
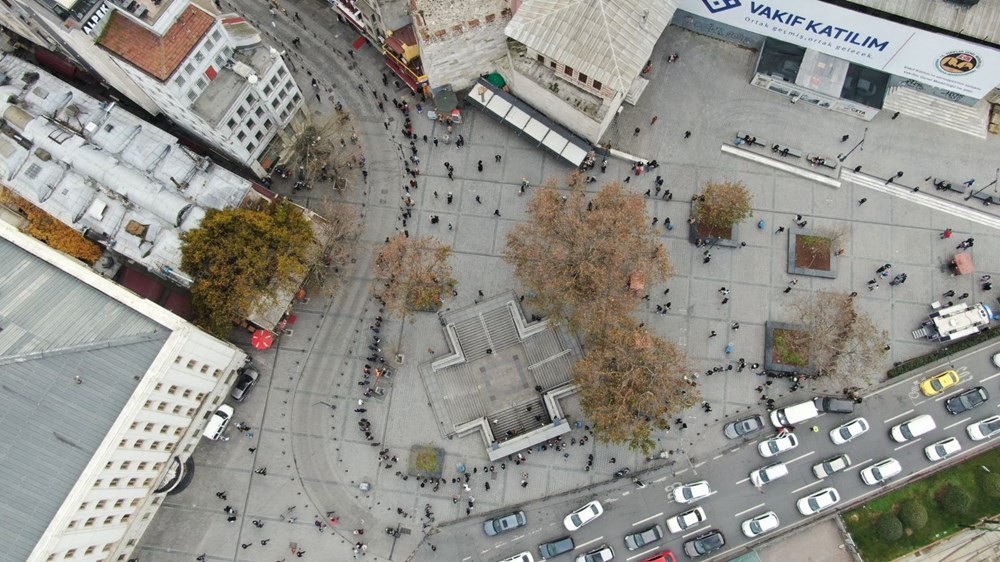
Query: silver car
[(248, 378)]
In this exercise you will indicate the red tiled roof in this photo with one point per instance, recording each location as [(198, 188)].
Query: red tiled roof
[(158, 56)]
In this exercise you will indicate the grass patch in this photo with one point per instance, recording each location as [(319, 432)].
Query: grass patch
[(791, 347), (426, 461), (929, 492)]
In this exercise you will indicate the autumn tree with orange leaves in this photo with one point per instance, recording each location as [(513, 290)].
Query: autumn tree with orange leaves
[(588, 264), (579, 260), (412, 273), (632, 382)]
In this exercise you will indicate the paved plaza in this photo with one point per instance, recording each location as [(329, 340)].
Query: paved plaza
[(305, 428)]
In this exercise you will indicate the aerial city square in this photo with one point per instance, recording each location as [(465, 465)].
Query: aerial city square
[(499, 280)]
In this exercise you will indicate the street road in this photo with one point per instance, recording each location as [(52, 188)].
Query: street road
[(734, 497)]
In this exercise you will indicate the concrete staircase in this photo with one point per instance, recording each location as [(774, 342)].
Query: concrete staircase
[(548, 360), (519, 419), (969, 120), (492, 330)]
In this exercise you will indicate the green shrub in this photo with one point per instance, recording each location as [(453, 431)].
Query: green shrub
[(913, 514), (953, 499), (991, 484), (889, 527), (904, 367)]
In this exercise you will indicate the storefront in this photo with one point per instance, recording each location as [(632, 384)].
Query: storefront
[(843, 60)]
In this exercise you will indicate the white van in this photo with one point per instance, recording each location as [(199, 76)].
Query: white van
[(792, 415), (911, 429), (218, 422), (523, 557)]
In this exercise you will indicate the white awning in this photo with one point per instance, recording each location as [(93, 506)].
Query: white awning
[(574, 154), (499, 106), (555, 142), (536, 129), (518, 118)]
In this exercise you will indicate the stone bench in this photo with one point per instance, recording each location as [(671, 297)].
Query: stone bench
[(985, 197), (941, 184), (818, 160), (786, 151), (756, 141)]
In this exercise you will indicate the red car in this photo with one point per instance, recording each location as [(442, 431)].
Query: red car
[(665, 556)]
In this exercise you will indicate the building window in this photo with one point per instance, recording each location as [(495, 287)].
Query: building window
[(241, 136), (258, 135), (90, 550), (191, 364), (597, 85), (138, 444), (582, 78), (231, 123), (267, 90), (109, 519), (89, 522), (126, 464), (177, 409), (115, 481), (187, 393), (568, 70), (101, 504), (142, 465), (192, 95), (251, 123), (201, 83), (161, 407), (177, 359), (541, 59), (180, 81), (249, 99), (241, 111), (216, 35), (552, 64), (259, 113), (268, 124), (70, 553), (119, 503), (131, 482), (204, 368), (189, 68)]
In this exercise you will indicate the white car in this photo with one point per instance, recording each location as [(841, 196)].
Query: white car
[(778, 445), (603, 553), (848, 431), (880, 472), (984, 429), (768, 474), (831, 466), (584, 515), (685, 520), (942, 449), (761, 524), (692, 492), (818, 501)]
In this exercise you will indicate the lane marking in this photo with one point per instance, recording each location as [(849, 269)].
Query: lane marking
[(910, 411), (761, 504), (717, 457), (747, 479), (633, 557), (959, 422), (800, 457), (991, 377), (696, 531), (907, 444), (579, 546), (955, 392), (658, 480), (679, 472), (699, 464), (797, 490), (640, 522), (858, 465)]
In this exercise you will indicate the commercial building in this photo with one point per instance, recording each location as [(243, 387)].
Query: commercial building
[(210, 73), (105, 396)]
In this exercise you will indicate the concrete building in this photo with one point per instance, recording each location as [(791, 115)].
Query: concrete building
[(106, 173), (105, 396), (211, 74)]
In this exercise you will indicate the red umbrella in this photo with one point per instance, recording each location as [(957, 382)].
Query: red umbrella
[(262, 339)]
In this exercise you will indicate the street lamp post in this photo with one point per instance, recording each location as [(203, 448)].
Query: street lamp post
[(843, 157), (985, 187)]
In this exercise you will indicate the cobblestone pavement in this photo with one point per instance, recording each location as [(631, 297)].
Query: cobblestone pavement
[(304, 426)]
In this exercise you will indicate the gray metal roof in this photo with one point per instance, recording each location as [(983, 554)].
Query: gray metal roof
[(54, 327), (981, 21), (608, 40)]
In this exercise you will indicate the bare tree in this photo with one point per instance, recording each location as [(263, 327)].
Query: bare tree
[(844, 343), (326, 148), (337, 228), (413, 273)]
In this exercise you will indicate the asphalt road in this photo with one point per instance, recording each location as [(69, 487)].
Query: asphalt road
[(734, 498)]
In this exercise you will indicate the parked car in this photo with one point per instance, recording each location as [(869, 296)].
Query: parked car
[(847, 432), (832, 405), (556, 547), (939, 382), (996, 360), (584, 515), (692, 492), (703, 544), (522, 557), (831, 465), (768, 474), (505, 523), (745, 426), (944, 449), (218, 422), (760, 524), (965, 401), (665, 556), (603, 553), (686, 520), (880, 471), (777, 445), (818, 501), (912, 428), (246, 381), (984, 429), (645, 537)]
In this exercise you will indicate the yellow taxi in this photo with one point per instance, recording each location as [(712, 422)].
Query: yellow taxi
[(939, 382)]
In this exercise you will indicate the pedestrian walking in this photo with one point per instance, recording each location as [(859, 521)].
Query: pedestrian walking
[(862, 201), (604, 165), (653, 120), (496, 213), (480, 166), (478, 200), (946, 234), (635, 133), (687, 134), (450, 197), (844, 138), (969, 182)]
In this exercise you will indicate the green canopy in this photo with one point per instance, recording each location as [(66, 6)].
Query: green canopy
[(496, 80)]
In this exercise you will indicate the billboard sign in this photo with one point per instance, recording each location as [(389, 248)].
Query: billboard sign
[(938, 60)]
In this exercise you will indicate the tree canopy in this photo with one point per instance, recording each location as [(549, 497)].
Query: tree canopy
[(632, 382), (579, 259), (241, 259), (413, 273), (844, 342), (722, 205)]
